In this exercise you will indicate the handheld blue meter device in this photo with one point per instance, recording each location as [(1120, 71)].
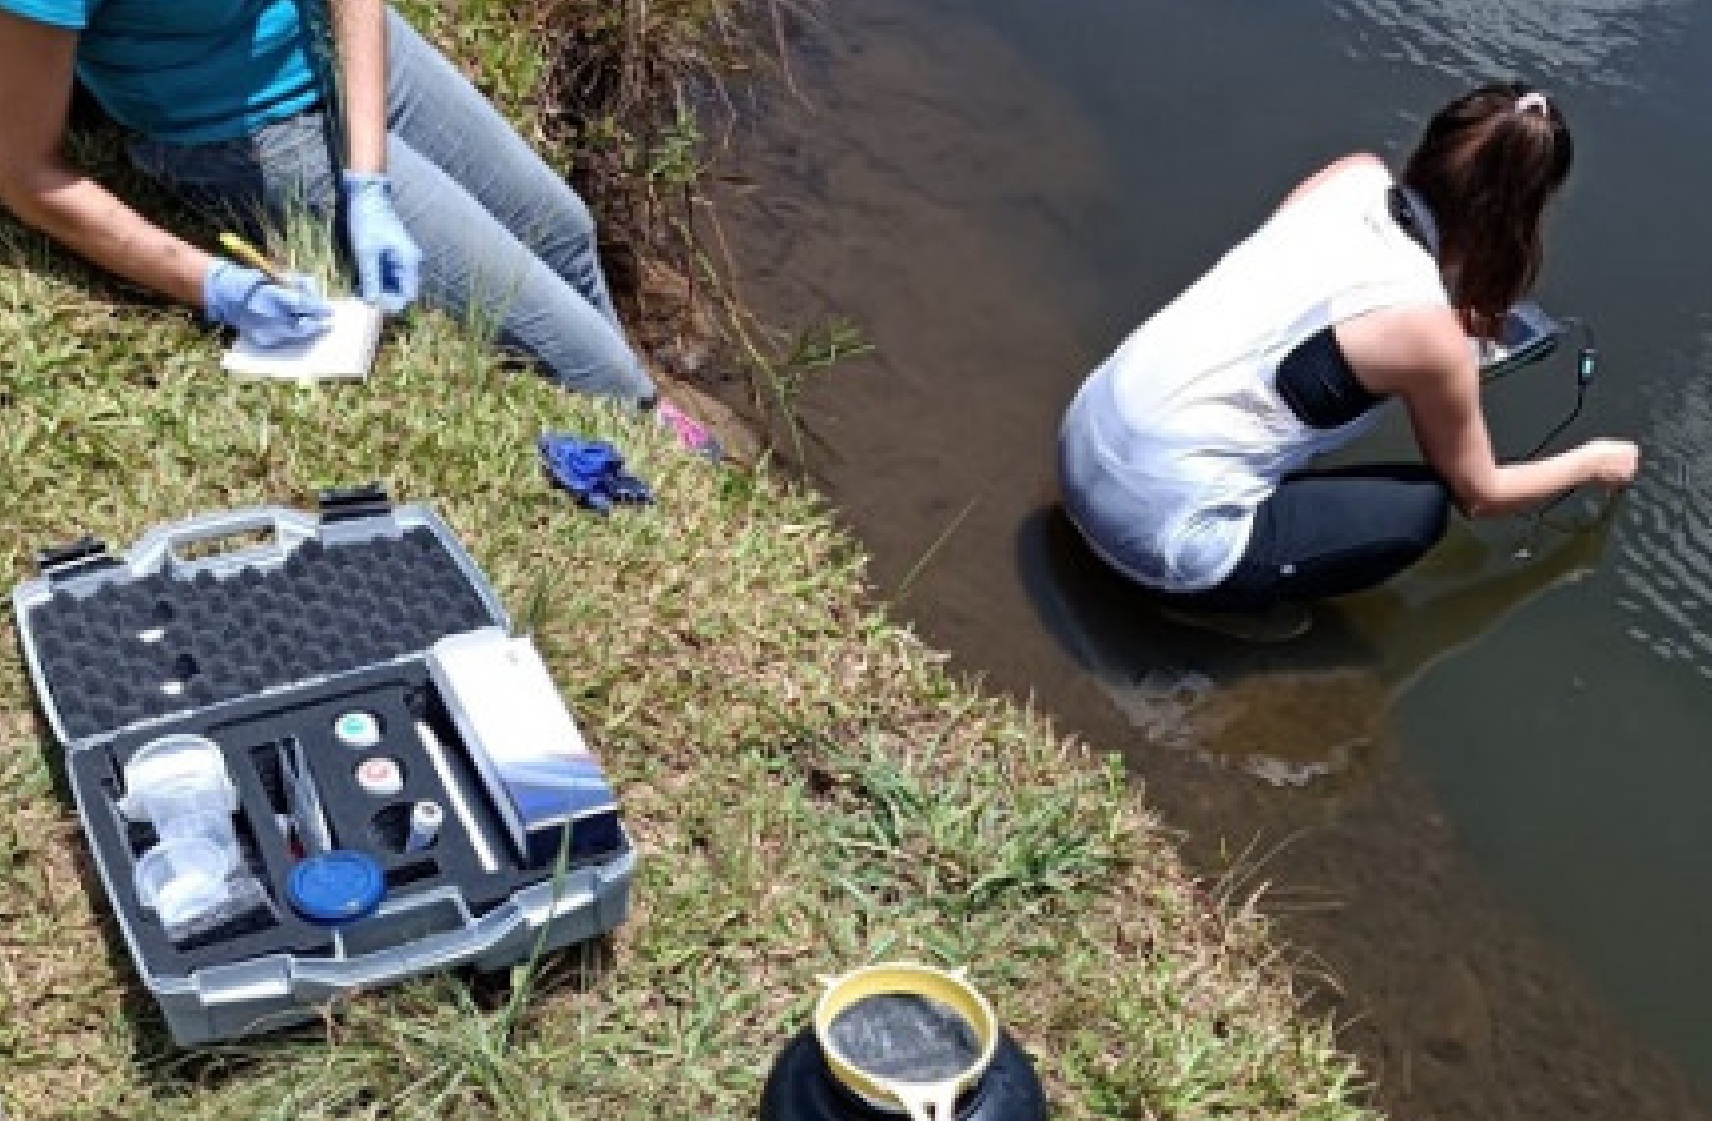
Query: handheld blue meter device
[(1527, 335)]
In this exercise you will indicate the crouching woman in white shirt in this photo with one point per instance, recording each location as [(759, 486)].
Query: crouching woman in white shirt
[(1185, 457)]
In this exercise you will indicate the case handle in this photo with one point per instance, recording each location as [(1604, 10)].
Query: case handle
[(167, 543)]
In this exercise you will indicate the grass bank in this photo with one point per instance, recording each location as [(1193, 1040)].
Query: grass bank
[(810, 788)]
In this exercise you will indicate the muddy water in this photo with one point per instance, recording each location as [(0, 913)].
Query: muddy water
[(1479, 796)]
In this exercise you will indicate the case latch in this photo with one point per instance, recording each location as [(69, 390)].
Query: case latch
[(61, 562), (343, 504)]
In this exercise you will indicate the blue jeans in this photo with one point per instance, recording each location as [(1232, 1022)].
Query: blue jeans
[(507, 244)]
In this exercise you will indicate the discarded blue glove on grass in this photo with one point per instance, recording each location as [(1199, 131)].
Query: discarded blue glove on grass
[(592, 470)]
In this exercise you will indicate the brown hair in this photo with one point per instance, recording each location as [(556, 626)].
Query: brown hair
[(1486, 166)]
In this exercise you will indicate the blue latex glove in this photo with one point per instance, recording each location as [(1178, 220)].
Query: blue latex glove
[(265, 313), (592, 470), (389, 263)]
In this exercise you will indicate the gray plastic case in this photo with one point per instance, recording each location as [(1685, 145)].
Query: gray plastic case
[(438, 923)]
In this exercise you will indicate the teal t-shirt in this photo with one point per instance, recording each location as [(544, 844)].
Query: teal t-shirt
[(188, 71)]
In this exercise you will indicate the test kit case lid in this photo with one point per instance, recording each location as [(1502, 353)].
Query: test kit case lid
[(118, 642)]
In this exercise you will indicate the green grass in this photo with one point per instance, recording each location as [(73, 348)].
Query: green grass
[(810, 789)]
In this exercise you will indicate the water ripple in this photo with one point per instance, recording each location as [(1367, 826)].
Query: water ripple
[(1665, 556), (1561, 42)]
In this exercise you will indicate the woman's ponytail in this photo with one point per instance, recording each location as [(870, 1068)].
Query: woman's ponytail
[(1487, 165)]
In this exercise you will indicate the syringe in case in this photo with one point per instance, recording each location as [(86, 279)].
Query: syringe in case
[(547, 786)]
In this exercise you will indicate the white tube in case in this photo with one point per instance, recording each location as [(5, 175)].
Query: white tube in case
[(425, 819)]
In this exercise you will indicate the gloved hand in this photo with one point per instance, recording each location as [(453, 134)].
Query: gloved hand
[(265, 313), (389, 264)]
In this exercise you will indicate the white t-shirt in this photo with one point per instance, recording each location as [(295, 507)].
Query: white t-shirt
[(1179, 436)]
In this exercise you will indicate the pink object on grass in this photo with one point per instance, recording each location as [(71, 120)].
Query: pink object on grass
[(691, 433)]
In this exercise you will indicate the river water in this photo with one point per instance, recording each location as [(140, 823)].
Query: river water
[(1477, 799)]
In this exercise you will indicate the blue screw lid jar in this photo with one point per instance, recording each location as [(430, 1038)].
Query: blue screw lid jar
[(336, 887)]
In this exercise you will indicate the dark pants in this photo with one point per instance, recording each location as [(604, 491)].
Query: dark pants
[(1329, 533)]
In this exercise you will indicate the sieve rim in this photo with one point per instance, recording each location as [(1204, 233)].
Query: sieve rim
[(950, 987)]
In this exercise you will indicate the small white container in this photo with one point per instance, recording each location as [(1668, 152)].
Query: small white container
[(179, 784), (183, 878), (425, 820), (380, 776), (360, 730)]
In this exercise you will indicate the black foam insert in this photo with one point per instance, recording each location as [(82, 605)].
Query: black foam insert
[(180, 640), (249, 733)]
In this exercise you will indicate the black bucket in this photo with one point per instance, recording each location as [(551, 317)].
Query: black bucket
[(897, 1041), (802, 1088)]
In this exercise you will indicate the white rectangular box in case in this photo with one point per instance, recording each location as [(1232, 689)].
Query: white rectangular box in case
[(548, 786), (297, 667)]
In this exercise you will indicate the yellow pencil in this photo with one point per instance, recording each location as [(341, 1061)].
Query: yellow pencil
[(253, 257)]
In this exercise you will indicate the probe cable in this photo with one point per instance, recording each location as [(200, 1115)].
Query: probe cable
[(1586, 360)]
